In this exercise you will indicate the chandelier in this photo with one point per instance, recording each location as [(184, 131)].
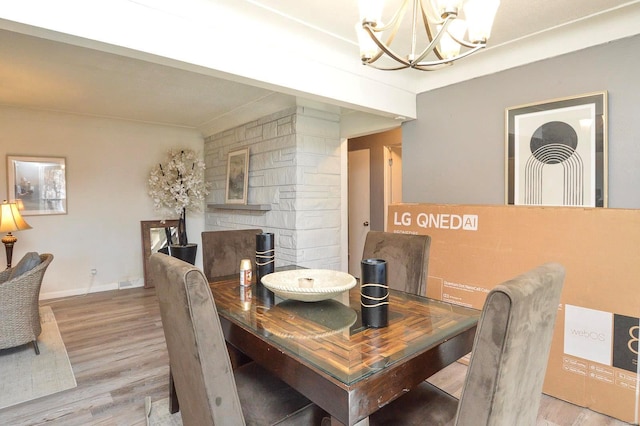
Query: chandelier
[(450, 26)]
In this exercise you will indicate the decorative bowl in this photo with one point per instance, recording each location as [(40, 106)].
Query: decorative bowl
[(308, 285)]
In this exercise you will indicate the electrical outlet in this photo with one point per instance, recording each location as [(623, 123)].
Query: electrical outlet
[(94, 271)]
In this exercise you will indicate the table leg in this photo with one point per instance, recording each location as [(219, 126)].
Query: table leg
[(174, 406), (237, 357)]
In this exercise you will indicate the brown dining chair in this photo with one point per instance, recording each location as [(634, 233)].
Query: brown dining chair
[(209, 391), (503, 385), (222, 251), (407, 259)]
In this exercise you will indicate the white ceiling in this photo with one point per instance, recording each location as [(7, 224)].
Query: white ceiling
[(257, 62)]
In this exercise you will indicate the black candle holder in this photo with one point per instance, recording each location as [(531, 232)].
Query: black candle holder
[(374, 293)]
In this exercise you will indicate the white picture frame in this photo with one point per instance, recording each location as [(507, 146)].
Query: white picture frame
[(39, 182)]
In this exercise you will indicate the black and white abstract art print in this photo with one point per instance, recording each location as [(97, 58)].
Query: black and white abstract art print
[(556, 152)]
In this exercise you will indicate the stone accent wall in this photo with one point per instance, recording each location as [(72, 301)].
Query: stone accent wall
[(294, 167)]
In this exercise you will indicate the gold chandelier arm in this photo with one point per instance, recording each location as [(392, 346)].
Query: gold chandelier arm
[(400, 67), (440, 35), (395, 20), (393, 25), (383, 48), (432, 47), (465, 43), (445, 23), (431, 67), (427, 26), (418, 65), (427, 66)]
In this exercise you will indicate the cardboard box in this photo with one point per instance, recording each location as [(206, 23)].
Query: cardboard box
[(594, 353)]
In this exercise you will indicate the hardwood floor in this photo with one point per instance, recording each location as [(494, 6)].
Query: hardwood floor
[(117, 350), (118, 354)]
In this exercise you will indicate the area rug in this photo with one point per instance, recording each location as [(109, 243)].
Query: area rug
[(158, 413), (27, 376)]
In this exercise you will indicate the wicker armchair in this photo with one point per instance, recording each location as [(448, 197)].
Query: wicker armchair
[(19, 308)]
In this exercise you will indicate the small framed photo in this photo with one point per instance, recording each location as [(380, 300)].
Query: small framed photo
[(40, 183), (556, 152), (237, 177)]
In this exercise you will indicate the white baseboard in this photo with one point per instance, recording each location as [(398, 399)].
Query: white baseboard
[(123, 285)]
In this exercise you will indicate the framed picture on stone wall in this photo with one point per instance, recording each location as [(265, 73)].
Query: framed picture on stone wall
[(237, 177), (39, 184), (556, 152)]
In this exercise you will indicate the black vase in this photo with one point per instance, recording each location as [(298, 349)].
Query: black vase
[(185, 253), (265, 262), (374, 293)]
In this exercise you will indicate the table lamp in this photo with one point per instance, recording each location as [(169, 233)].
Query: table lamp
[(11, 220)]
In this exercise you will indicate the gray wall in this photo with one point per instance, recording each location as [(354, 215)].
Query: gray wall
[(454, 151)]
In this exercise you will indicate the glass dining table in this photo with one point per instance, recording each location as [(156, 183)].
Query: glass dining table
[(322, 350)]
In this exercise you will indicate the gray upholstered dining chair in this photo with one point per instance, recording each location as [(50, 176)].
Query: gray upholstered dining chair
[(19, 301), (223, 250), (209, 391), (503, 385), (407, 259)]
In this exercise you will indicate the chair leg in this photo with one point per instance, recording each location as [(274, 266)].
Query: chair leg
[(174, 404), (35, 346)]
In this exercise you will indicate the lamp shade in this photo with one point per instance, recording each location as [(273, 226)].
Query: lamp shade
[(11, 219), (449, 47), (480, 16), (370, 10), (368, 48)]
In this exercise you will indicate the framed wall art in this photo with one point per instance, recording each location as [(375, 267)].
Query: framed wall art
[(40, 182), (556, 152), (237, 177)]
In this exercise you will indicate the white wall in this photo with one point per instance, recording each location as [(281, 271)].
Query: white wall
[(108, 162), (292, 58), (295, 168)]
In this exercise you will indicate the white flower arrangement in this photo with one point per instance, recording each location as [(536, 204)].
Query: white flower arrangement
[(178, 186)]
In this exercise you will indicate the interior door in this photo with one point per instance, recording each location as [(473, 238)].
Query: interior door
[(392, 178), (359, 206)]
